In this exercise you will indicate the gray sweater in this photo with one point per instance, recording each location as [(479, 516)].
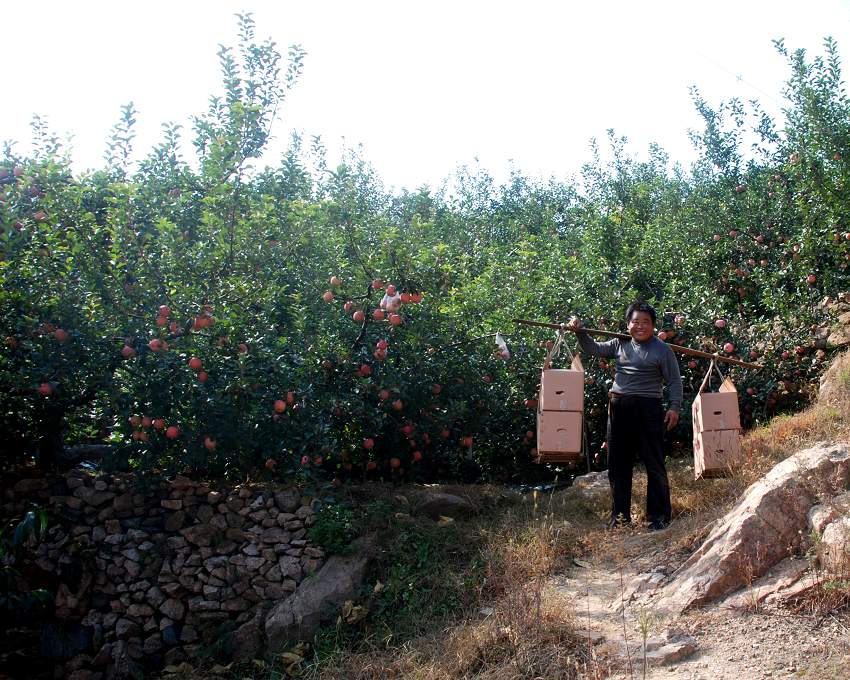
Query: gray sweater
[(640, 366)]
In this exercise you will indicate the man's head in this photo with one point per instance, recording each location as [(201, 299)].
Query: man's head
[(640, 317)]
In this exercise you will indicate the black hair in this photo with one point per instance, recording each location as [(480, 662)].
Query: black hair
[(641, 306)]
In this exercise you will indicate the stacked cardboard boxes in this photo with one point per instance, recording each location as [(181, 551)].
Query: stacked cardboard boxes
[(559, 414), (717, 426)]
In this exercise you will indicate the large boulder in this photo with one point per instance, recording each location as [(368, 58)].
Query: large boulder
[(317, 599), (436, 504), (593, 485), (769, 521)]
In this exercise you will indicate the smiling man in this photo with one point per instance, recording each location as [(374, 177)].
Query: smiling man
[(636, 417)]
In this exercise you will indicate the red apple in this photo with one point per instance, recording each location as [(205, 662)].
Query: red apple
[(203, 376), (728, 348), (280, 405), (128, 352), (195, 364), (270, 463), (172, 432), (811, 279), (328, 296), (358, 316), (209, 443), (720, 323), (395, 319), (158, 424), (436, 388), (368, 444), (336, 281), (378, 314)]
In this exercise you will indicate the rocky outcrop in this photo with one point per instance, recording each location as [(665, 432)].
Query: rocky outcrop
[(835, 382), (768, 522), (319, 597)]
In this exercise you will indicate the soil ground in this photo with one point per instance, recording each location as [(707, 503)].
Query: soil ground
[(768, 642)]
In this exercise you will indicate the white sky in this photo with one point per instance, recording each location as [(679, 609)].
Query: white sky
[(425, 86)]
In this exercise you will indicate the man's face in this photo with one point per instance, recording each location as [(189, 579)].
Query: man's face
[(640, 326)]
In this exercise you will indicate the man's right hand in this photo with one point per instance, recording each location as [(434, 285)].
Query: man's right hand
[(574, 324)]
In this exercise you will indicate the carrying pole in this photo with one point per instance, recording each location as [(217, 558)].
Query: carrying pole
[(612, 334)]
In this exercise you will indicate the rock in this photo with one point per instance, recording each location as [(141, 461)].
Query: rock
[(779, 577), (125, 628), (174, 522), (173, 609), (274, 535), (436, 504), (298, 617), (834, 548), (290, 567), (153, 644), (835, 381), (247, 641), (287, 501), (123, 666), (840, 337), (758, 531), (592, 485), (199, 534), (671, 649)]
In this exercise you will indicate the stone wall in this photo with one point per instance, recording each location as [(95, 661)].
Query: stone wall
[(145, 575)]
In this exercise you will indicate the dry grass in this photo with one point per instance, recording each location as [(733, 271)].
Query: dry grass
[(520, 628)]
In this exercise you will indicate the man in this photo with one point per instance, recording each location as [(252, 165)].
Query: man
[(636, 418)]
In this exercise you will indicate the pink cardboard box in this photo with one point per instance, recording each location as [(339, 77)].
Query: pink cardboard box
[(716, 453), (559, 432), (717, 410), (562, 389)]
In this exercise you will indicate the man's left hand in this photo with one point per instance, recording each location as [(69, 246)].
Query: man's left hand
[(671, 418)]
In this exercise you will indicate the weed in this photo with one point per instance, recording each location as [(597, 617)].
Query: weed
[(334, 529)]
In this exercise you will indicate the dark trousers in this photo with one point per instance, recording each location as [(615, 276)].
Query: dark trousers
[(636, 427)]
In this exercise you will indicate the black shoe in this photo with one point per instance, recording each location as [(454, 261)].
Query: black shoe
[(659, 524)]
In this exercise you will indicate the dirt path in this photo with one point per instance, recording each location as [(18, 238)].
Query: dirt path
[(614, 602)]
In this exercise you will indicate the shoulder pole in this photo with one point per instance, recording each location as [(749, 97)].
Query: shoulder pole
[(611, 334)]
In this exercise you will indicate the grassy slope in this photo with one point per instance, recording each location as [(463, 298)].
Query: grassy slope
[(470, 599)]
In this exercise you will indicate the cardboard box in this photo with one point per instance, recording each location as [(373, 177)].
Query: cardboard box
[(562, 389), (717, 410), (717, 453), (559, 433)]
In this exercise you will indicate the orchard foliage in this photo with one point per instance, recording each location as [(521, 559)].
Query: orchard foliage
[(212, 316)]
